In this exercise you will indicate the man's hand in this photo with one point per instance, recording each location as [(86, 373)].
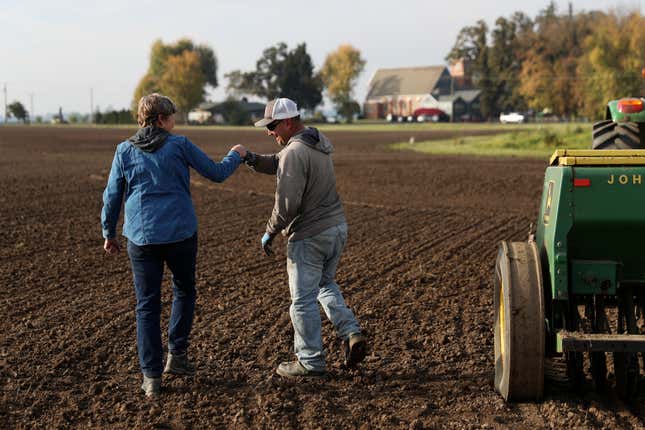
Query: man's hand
[(112, 246), (240, 150), (250, 159), (267, 241)]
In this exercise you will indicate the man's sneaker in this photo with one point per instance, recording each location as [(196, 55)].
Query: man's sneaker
[(151, 386), (292, 369), (355, 349), (179, 365)]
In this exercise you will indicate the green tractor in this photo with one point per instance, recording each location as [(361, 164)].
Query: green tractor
[(623, 127), (572, 298)]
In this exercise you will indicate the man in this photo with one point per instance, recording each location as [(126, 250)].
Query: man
[(150, 175), (308, 211)]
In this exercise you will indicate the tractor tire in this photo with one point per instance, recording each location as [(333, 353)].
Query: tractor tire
[(612, 135), (519, 322)]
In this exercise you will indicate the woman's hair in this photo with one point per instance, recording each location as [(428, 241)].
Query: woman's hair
[(153, 105)]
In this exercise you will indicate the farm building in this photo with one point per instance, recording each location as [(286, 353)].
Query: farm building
[(215, 113), (402, 91)]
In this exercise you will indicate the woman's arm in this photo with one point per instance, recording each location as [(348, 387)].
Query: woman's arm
[(112, 198), (216, 172)]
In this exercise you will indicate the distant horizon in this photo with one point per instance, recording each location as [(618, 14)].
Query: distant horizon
[(62, 52)]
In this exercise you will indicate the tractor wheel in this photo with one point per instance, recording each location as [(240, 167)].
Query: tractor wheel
[(612, 135), (519, 322)]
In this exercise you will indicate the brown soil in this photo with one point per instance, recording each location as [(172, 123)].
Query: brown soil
[(417, 271)]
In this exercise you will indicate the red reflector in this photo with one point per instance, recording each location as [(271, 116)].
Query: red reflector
[(582, 182), (630, 105)]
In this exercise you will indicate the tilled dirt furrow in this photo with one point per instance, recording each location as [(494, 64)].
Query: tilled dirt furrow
[(417, 271)]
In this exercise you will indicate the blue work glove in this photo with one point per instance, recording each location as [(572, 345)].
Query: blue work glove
[(267, 240)]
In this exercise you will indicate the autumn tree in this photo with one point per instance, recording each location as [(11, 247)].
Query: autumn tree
[(339, 74), (612, 63), (18, 111), (183, 81), (166, 56), (549, 74), (280, 72), (558, 62)]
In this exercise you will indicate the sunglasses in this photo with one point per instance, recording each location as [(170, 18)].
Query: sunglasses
[(273, 125)]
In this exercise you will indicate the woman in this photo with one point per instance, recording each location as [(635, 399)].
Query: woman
[(150, 171)]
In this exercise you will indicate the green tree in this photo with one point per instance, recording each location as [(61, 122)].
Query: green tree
[(18, 111), (339, 74), (471, 46), (280, 73), (506, 54), (160, 56), (183, 81), (234, 113)]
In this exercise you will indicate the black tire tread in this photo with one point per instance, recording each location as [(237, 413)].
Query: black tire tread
[(611, 135)]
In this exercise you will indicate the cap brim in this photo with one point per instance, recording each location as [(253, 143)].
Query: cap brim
[(264, 122)]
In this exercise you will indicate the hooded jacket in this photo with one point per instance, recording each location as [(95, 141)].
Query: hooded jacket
[(151, 174), (149, 138), (306, 200)]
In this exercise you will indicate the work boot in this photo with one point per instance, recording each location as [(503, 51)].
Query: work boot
[(355, 349), (151, 386), (290, 369), (179, 365)]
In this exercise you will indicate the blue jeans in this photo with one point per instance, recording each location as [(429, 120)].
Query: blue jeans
[(147, 268), (311, 265)]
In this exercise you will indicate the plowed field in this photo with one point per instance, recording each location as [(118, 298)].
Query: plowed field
[(417, 272)]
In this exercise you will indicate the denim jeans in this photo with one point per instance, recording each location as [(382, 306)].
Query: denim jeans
[(147, 268), (311, 265)]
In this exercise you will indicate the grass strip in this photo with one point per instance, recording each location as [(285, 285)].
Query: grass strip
[(513, 141)]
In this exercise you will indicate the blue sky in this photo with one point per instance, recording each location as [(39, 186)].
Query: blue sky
[(57, 51)]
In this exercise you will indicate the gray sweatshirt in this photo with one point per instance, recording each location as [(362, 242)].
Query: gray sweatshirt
[(306, 201)]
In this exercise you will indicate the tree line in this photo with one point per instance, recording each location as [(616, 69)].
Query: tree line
[(567, 64), (183, 71)]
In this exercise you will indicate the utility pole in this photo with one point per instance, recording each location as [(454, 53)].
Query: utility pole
[(91, 105), (5, 103), (32, 114)]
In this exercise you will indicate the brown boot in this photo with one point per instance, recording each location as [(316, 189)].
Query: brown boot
[(355, 349), (290, 369), (151, 386), (179, 365)]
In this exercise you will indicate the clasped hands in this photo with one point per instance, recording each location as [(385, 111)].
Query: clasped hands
[(246, 155)]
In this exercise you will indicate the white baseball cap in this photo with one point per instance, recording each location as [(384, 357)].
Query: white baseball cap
[(280, 108)]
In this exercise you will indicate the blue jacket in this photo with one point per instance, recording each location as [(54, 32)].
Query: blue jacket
[(156, 187)]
